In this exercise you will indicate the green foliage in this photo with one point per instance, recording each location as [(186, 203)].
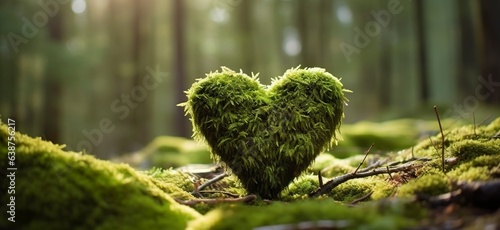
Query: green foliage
[(391, 216), (266, 135), (56, 189)]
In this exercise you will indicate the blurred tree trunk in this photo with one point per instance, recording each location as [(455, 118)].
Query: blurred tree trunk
[(469, 21), (53, 89), (422, 55), (309, 29), (140, 117), (442, 50), (491, 47), (9, 93), (244, 16), (179, 66)]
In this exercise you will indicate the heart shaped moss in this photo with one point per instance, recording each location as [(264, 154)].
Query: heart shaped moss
[(266, 135)]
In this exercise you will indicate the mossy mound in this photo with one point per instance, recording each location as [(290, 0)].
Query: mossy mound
[(392, 135), (55, 189), (471, 154), (330, 166), (317, 214), (166, 152)]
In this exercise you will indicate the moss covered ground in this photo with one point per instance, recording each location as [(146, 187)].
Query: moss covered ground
[(58, 189)]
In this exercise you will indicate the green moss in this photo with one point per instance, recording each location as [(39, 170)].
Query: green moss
[(168, 151), (182, 182), (55, 189), (465, 142), (266, 135), (382, 189), (396, 215), (389, 135), (481, 168), (431, 183), (467, 150), (329, 166), (300, 188), (357, 188)]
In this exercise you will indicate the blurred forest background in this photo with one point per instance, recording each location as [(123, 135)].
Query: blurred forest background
[(106, 75)]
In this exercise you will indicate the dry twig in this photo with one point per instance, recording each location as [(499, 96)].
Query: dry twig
[(320, 179), (442, 137), (208, 183), (364, 197), (364, 158)]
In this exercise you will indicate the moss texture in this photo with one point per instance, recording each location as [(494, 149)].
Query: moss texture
[(56, 189), (316, 212), (267, 136)]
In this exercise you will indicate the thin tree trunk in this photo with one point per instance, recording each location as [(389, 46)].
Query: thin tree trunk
[(419, 12), (53, 91), (142, 115), (491, 30), (179, 66)]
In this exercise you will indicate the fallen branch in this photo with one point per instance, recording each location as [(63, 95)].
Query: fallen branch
[(423, 159), (194, 202), (221, 192), (326, 188)]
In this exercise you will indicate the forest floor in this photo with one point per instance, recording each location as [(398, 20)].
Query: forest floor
[(368, 187)]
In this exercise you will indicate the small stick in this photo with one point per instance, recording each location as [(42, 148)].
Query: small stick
[(480, 123), (388, 172), (442, 137), (364, 197), (210, 182), (364, 158), (320, 178)]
